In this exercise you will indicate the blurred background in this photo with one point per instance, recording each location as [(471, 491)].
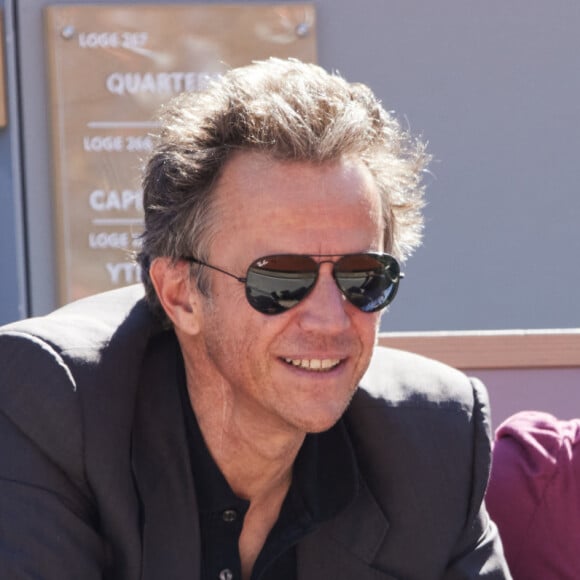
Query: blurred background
[(494, 87)]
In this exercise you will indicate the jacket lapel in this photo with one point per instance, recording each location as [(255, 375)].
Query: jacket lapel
[(161, 465), (346, 546)]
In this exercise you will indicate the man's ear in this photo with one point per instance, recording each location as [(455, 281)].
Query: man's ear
[(177, 293)]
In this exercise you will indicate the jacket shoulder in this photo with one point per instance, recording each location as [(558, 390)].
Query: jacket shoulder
[(86, 323), (420, 433), (48, 363), (38, 400), (423, 400), (400, 378)]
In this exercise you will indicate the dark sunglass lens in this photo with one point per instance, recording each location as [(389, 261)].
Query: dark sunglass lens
[(368, 281), (276, 283)]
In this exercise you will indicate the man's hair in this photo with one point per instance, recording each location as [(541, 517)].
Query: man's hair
[(290, 111)]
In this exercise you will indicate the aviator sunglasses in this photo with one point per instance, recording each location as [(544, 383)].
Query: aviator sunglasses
[(277, 283)]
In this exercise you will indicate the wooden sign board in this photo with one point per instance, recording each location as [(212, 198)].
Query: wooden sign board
[(110, 69)]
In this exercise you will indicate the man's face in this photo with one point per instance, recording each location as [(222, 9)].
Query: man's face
[(251, 359)]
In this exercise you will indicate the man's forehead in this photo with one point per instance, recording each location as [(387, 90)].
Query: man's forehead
[(281, 207), (259, 175)]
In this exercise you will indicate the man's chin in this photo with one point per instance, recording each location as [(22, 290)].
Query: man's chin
[(321, 421)]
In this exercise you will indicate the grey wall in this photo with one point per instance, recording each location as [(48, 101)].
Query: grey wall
[(493, 86)]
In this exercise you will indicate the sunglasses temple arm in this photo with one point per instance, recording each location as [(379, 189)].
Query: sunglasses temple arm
[(192, 260)]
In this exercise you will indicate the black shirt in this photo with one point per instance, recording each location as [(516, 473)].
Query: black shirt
[(324, 482)]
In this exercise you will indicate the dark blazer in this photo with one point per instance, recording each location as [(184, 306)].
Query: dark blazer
[(95, 479)]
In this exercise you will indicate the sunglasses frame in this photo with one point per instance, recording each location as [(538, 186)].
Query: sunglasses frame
[(382, 258)]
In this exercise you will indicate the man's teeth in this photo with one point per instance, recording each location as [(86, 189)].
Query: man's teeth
[(314, 364)]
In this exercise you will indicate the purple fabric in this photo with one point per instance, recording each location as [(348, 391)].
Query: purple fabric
[(534, 495)]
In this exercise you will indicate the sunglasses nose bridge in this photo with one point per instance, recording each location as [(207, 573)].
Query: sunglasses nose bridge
[(323, 309), (328, 276), (326, 268), (332, 269)]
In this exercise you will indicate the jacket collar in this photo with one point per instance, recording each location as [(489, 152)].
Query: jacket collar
[(169, 513)]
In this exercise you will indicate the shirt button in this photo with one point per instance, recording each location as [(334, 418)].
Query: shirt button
[(229, 516), (226, 574)]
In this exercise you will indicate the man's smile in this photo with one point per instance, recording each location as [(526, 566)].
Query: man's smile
[(314, 364)]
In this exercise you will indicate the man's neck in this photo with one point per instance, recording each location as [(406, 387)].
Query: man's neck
[(255, 461)]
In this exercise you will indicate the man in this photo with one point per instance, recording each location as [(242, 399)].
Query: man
[(218, 429)]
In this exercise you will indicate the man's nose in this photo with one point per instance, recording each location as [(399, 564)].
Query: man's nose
[(324, 309)]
